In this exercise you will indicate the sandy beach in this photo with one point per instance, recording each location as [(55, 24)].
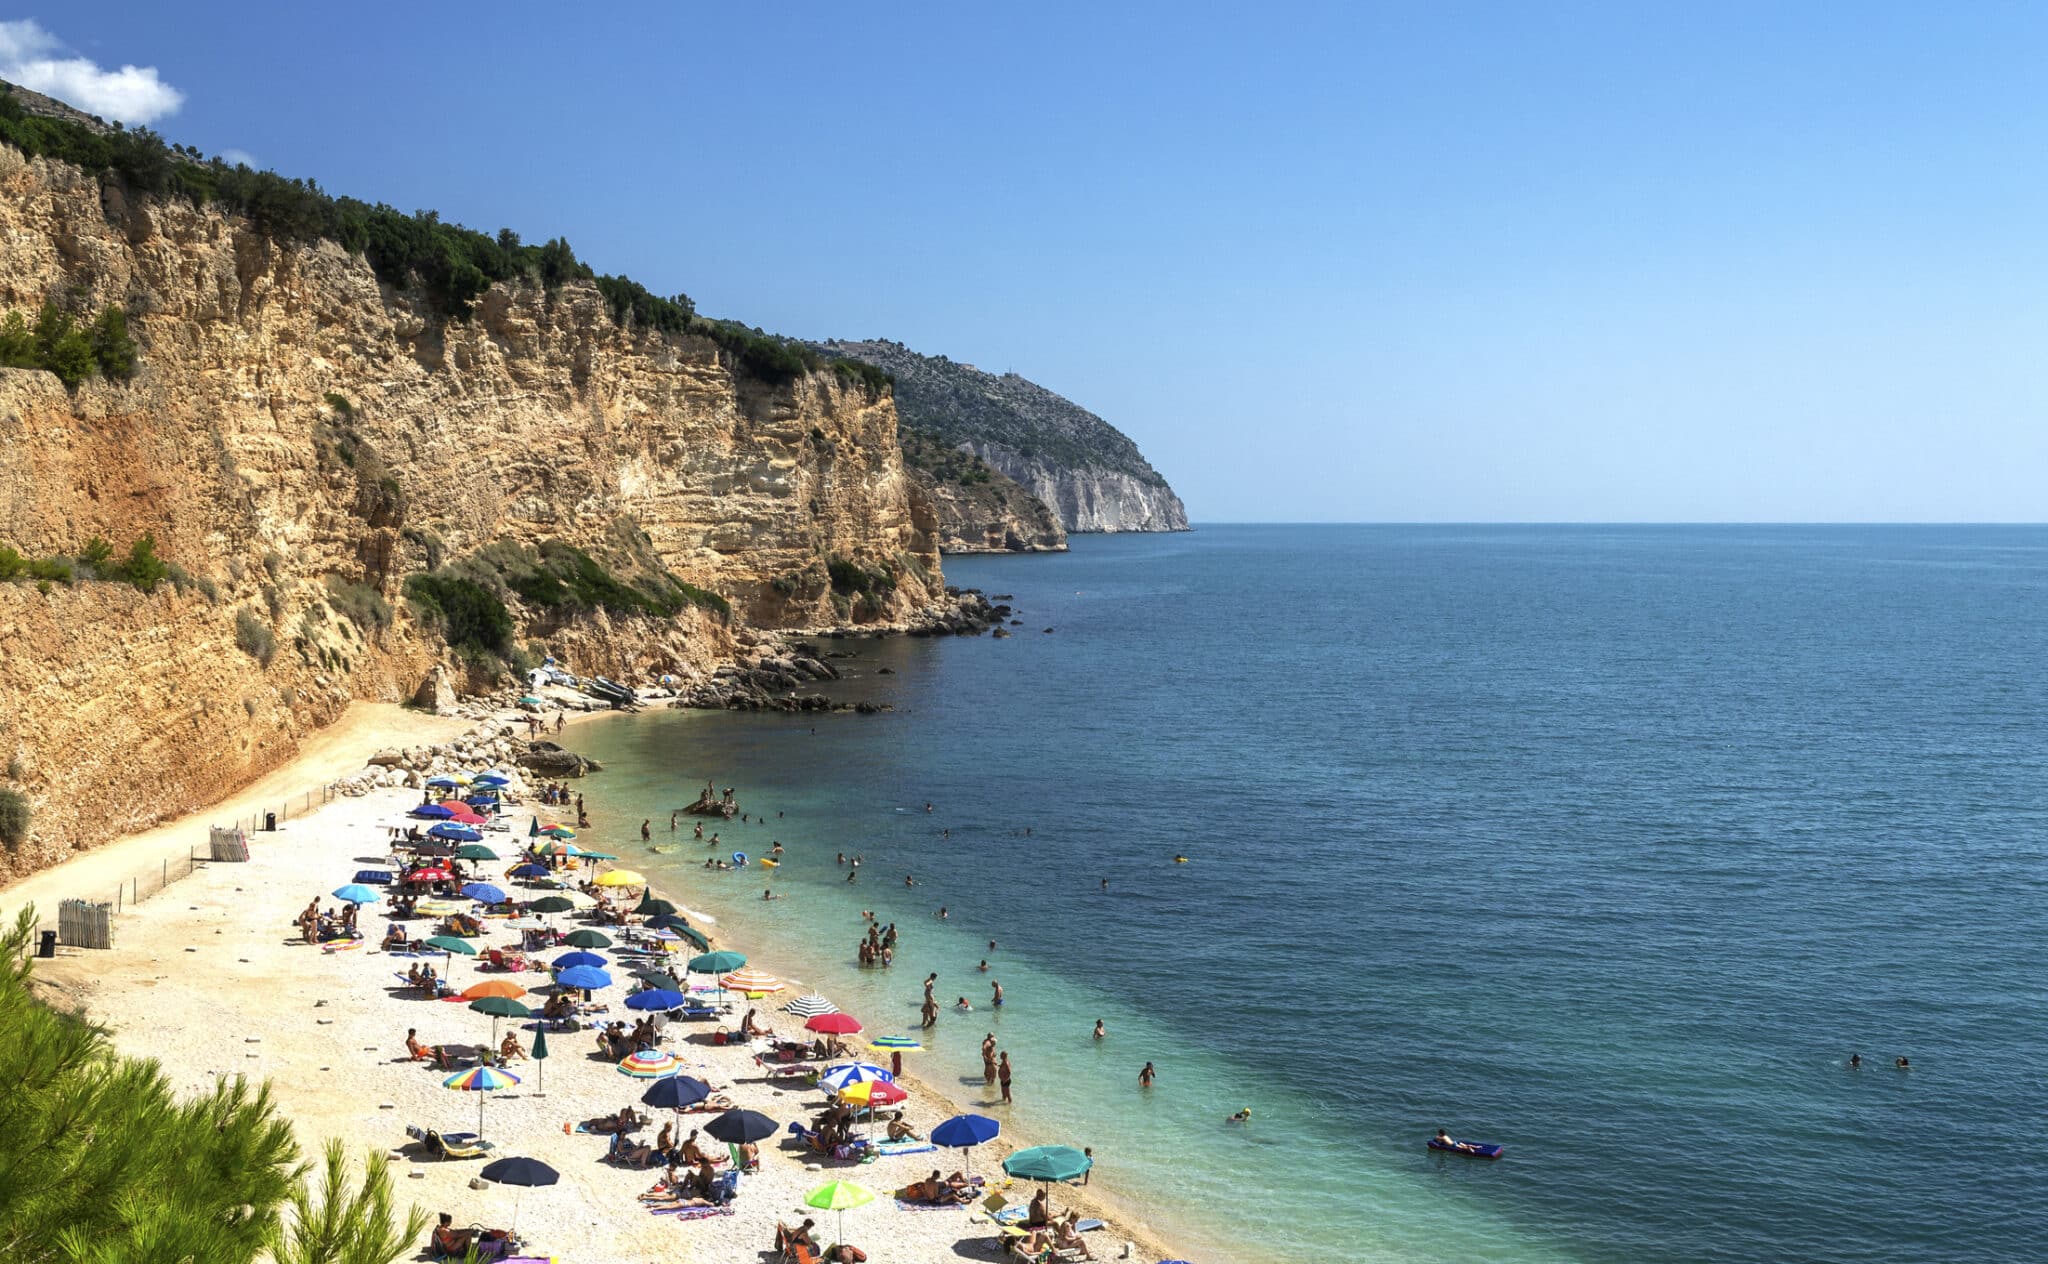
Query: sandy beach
[(211, 978)]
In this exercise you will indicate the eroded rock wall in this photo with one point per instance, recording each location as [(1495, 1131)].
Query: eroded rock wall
[(539, 418)]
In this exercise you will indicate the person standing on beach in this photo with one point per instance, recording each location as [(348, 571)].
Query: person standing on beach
[(645, 832), (1145, 1076), (1003, 1072), (988, 1060)]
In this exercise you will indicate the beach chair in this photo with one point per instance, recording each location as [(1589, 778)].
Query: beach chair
[(739, 1162), (450, 1145)]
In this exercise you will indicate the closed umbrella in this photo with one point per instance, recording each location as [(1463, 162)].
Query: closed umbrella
[(357, 893), (539, 1054), (521, 1173), (838, 1196), (480, 1080), (587, 939)]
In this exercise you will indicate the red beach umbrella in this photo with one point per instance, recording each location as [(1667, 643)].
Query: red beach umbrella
[(427, 875), (833, 1024)]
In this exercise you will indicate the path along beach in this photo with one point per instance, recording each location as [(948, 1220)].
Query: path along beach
[(212, 979)]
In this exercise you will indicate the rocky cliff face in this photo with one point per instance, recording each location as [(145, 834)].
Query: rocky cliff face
[(1090, 474), (299, 439), (979, 509)]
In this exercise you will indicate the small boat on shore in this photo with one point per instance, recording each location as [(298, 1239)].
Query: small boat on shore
[(1469, 1149)]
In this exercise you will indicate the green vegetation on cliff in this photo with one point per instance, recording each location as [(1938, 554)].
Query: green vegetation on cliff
[(59, 343), (447, 265)]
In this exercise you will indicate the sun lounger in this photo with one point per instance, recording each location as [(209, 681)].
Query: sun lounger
[(450, 1145), (889, 1149)]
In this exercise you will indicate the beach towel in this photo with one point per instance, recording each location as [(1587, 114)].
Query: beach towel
[(904, 1205), (892, 1148), (692, 1213)]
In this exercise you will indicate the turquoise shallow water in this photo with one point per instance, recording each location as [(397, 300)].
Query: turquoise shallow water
[(1607, 844)]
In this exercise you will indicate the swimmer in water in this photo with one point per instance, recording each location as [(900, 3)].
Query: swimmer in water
[(1902, 1064), (1180, 860), (983, 967), (963, 1006), (1855, 1061), (1242, 1117), (1105, 884), (1100, 1030), (768, 894), (942, 912)]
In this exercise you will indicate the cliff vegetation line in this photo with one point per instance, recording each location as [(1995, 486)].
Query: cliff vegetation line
[(449, 265)]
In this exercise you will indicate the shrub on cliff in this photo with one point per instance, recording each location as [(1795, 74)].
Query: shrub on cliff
[(57, 343), (359, 603), (469, 615), (142, 567), (253, 636), (15, 815)]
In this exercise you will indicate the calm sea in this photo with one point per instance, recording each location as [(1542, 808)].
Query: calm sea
[(1606, 844)]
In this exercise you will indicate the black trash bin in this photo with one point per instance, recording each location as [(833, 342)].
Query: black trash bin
[(270, 822), (48, 947)]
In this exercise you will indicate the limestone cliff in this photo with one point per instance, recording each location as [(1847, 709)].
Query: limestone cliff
[(300, 438), (1090, 474), (979, 509)]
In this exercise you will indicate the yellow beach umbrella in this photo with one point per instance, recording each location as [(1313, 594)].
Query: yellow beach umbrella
[(752, 982), (621, 878)]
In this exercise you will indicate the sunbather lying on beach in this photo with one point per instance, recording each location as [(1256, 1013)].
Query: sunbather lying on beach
[(934, 1189), (1035, 1245)]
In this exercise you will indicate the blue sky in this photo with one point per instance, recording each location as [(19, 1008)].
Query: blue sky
[(1344, 262)]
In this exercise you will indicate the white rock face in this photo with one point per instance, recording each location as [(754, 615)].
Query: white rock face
[(1091, 499)]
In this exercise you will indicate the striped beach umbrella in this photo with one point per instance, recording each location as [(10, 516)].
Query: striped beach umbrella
[(752, 982), (480, 1080), (896, 1044), (649, 1064), (872, 1093), (809, 1006), (840, 1077)]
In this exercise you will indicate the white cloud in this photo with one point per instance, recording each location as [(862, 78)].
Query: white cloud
[(29, 56), (239, 157)]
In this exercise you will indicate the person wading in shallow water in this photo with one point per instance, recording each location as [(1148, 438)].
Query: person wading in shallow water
[(988, 1060), (1003, 1072)]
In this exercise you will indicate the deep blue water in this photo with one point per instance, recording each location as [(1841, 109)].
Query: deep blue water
[(1606, 844)]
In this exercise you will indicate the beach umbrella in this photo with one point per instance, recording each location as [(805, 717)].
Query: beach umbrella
[(584, 977), (494, 780), (560, 833), (493, 987), (475, 851), (896, 1044), (670, 920), (1047, 1163), (432, 811), (655, 908), (872, 1093), (499, 1007), (964, 1132), (648, 1064), (722, 962), (452, 944), (657, 999), (833, 1024), (484, 892), (659, 979), (598, 855), (356, 893), (522, 1174), (808, 1005), (432, 873), (480, 1080), (529, 870), (432, 849), (445, 782), (539, 1054), (463, 815), (587, 939), (483, 801), (752, 982), (846, 1074), (570, 960), (691, 935), (533, 828), (454, 833), (739, 1127), (620, 878), (838, 1196), (675, 1092), (553, 904)]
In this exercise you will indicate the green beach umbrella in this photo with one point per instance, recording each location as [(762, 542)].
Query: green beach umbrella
[(717, 963), (499, 1007), (587, 939), (651, 907), (838, 1196), (475, 851), (596, 855), (533, 830), (540, 1055), (696, 937), (553, 904), (452, 943), (1048, 1163)]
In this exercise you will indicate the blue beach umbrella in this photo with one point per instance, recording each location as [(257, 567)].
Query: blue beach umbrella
[(493, 780), (584, 977), (455, 833), (964, 1132), (655, 999), (530, 870), (484, 892), (443, 783), (356, 893), (570, 960), (432, 811), (838, 1077)]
